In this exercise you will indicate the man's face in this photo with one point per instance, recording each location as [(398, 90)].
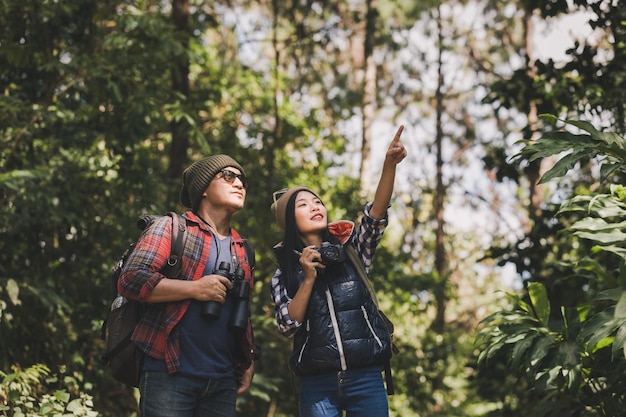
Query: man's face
[(227, 189)]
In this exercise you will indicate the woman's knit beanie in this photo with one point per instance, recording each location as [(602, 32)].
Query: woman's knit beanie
[(279, 207), (197, 176)]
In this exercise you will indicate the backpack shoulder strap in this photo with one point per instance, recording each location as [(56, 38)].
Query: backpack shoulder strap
[(354, 258), (179, 233), (249, 253)]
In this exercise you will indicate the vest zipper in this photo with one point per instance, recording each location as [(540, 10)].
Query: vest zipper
[(367, 320), (333, 318)]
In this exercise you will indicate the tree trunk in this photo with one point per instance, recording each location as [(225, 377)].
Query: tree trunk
[(440, 192), (533, 171), (272, 141), (369, 97), (180, 84)]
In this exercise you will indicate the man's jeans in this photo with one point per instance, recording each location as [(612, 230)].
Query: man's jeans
[(361, 392), (164, 395)]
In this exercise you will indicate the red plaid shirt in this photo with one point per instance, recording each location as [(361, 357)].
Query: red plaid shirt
[(157, 334)]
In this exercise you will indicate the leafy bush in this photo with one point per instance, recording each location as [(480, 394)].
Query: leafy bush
[(25, 393), (574, 360)]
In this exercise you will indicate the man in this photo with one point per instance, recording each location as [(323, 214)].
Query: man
[(195, 364)]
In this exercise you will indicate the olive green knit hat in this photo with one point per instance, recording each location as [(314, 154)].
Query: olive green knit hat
[(197, 176), (281, 198)]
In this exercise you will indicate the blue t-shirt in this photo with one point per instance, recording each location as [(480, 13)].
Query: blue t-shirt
[(206, 345)]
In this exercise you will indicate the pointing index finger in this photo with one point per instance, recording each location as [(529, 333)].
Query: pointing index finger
[(398, 134)]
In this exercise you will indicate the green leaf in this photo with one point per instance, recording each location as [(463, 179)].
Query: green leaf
[(595, 224), (583, 125), (595, 329), (540, 351), (612, 294), (611, 139), (620, 308), (568, 354), (601, 205), (613, 249), (564, 164), (607, 170), (62, 395), (574, 379), (513, 339), (614, 236), (553, 376), (555, 143), (14, 291), (619, 191), (525, 306), (620, 341), (518, 355), (539, 298), (602, 336)]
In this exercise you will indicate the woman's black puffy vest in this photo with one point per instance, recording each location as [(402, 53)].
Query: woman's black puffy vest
[(345, 332)]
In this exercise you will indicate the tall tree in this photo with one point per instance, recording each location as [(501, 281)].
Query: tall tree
[(180, 85), (440, 189), (370, 94)]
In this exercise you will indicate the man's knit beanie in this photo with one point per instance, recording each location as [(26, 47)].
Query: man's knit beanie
[(197, 176), (279, 206)]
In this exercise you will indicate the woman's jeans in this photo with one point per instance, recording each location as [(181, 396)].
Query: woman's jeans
[(165, 395), (361, 392)]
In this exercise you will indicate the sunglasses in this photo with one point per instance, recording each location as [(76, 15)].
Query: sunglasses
[(278, 194), (230, 177)]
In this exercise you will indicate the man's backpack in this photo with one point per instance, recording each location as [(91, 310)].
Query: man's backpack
[(121, 355)]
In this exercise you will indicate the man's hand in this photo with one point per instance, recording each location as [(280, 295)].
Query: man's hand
[(246, 380), (212, 288)]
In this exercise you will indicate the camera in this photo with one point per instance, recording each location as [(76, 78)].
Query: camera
[(240, 290), (331, 253)]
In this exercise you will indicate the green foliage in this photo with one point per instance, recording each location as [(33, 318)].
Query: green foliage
[(82, 155), (579, 356), (610, 146), (87, 114), (590, 81), (548, 358), (25, 393)]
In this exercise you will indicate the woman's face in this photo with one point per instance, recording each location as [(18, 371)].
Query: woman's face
[(310, 214)]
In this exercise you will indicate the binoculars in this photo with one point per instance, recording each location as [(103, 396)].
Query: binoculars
[(240, 290)]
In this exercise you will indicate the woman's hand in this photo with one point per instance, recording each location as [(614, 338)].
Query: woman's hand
[(395, 154), (311, 263), (396, 151)]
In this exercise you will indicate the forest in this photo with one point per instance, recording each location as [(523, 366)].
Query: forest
[(503, 267)]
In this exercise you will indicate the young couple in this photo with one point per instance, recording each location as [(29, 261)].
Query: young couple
[(196, 366)]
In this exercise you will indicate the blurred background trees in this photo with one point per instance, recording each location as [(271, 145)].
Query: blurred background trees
[(104, 103)]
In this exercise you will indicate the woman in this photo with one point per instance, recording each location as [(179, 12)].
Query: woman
[(340, 340)]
